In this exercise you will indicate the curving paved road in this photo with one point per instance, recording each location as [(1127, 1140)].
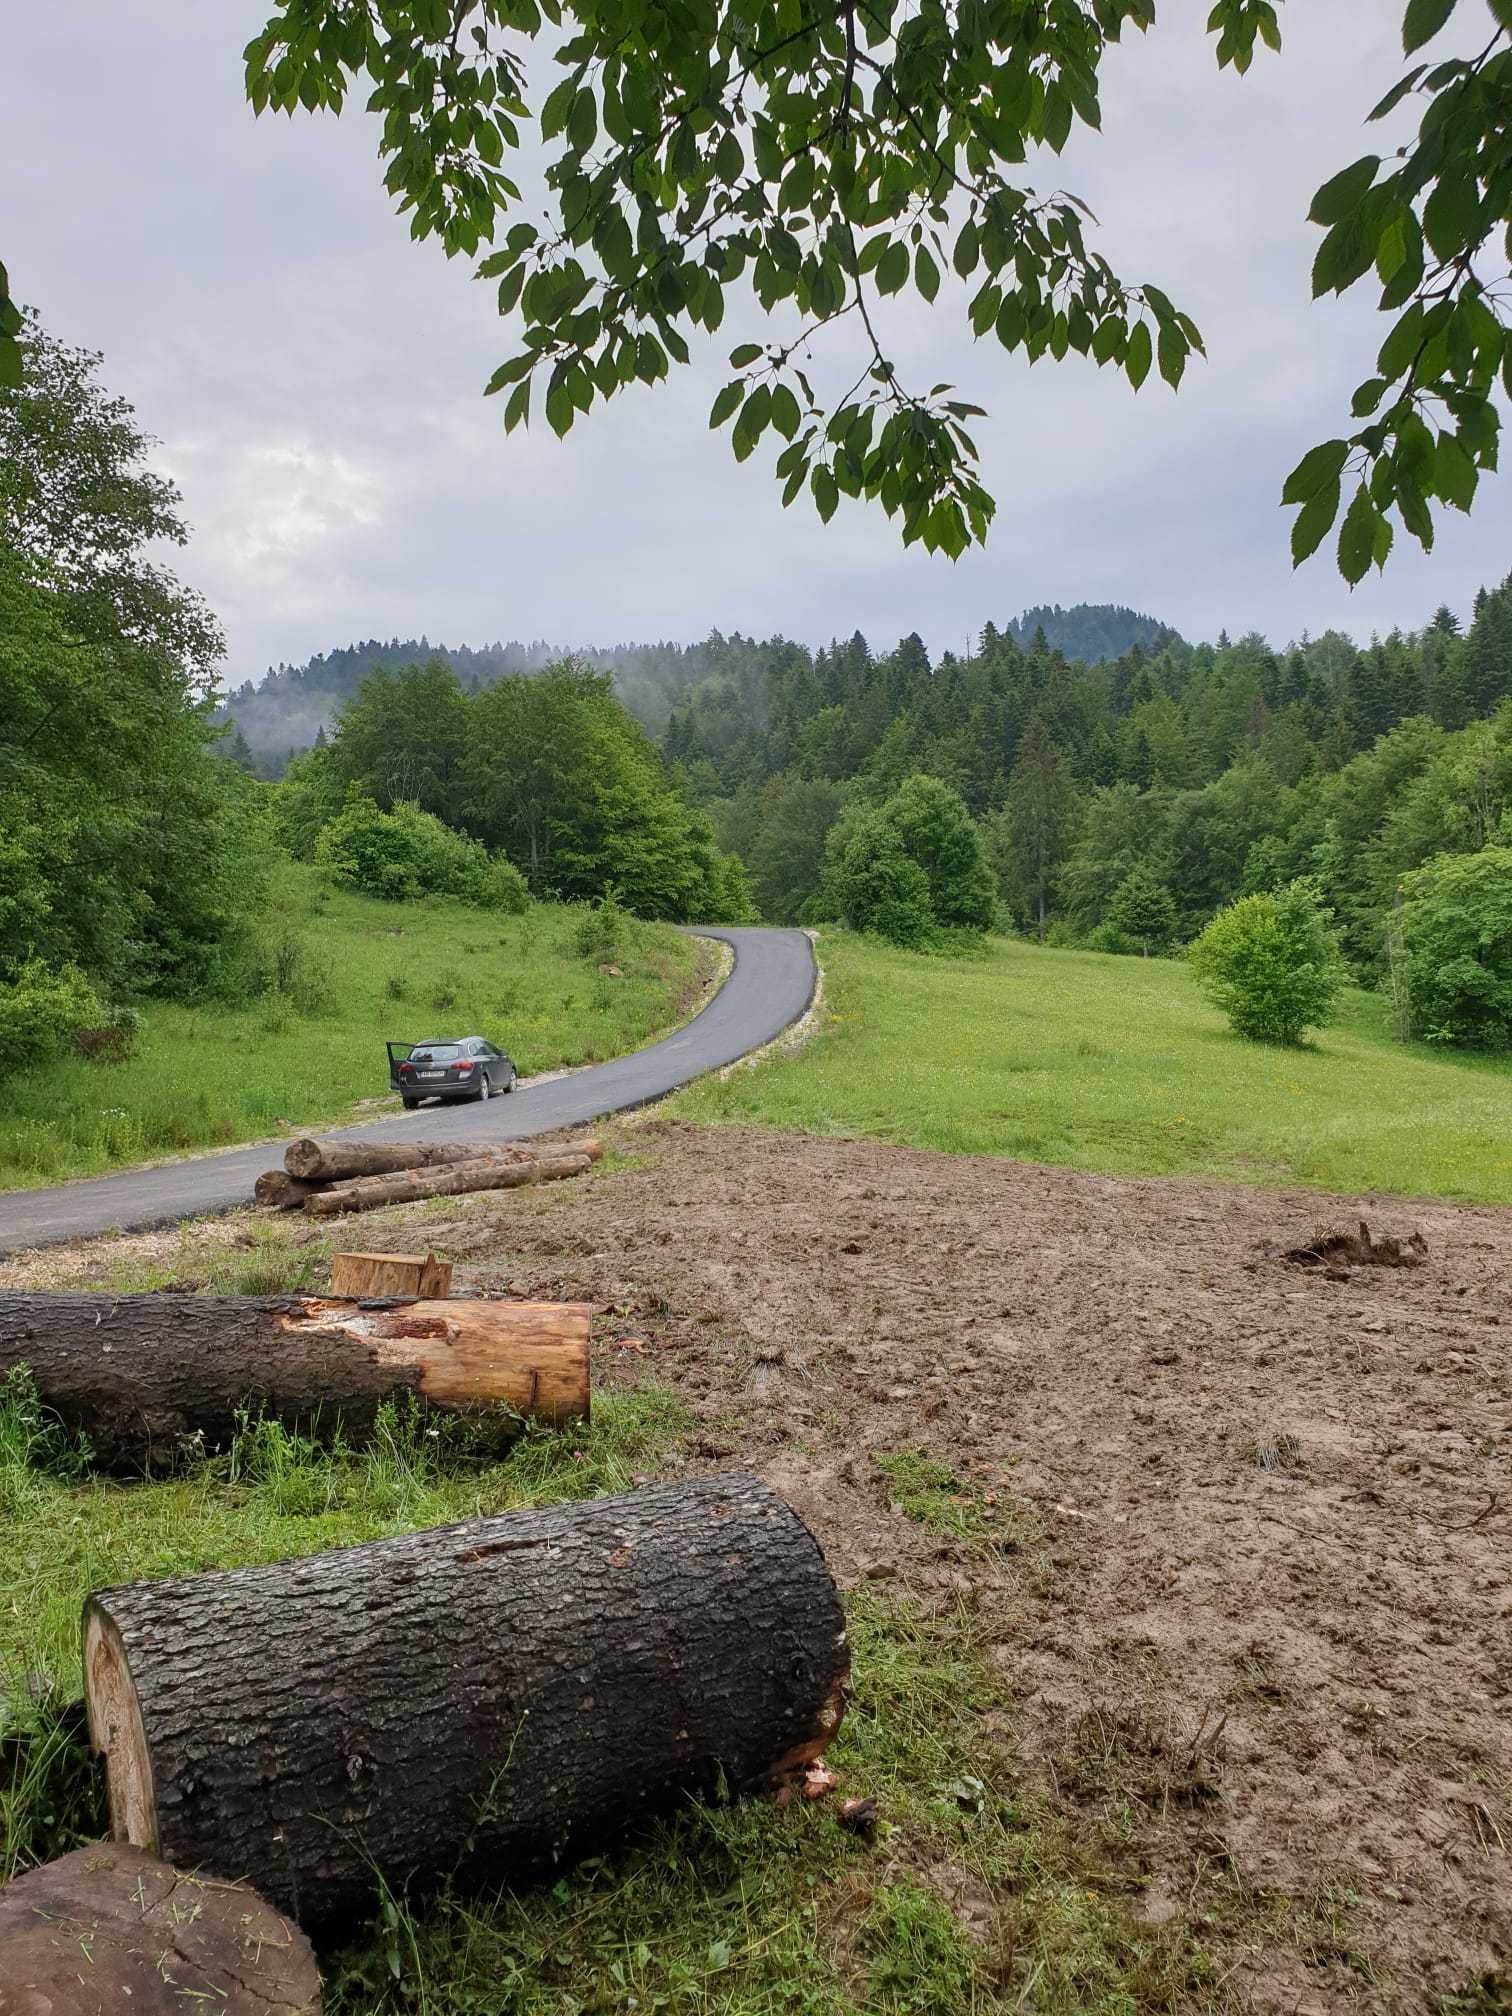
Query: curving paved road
[(770, 986)]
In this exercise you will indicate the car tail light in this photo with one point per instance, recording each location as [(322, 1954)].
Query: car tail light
[(463, 1064)]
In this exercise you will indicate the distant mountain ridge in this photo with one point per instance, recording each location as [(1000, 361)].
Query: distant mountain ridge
[(288, 707), (1093, 631)]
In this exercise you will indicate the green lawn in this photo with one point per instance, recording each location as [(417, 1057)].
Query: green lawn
[(358, 971), (1119, 1065)]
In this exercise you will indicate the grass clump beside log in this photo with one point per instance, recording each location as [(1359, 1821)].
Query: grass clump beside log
[(1119, 1065), (300, 1043)]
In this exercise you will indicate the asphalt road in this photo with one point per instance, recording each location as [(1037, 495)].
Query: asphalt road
[(770, 987)]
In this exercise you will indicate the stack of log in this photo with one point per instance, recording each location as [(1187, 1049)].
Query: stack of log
[(326, 1178)]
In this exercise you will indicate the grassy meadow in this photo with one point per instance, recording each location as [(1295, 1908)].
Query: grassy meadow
[(347, 973), (1119, 1065)]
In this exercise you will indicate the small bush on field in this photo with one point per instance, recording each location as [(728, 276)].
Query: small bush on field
[(1453, 949), (446, 995), (1143, 911), (43, 1008), (1271, 963), (601, 934), (394, 988)]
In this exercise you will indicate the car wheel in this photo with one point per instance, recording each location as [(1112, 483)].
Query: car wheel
[(410, 1105), (484, 1088), (513, 1079)]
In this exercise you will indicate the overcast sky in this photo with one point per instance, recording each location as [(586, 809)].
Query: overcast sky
[(315, 378)]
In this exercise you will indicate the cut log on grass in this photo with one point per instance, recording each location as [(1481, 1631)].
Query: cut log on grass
[(277, 1190), (151, 1379), (340, 1161), (363, 1274), (109, 1929), (412, 1186), (466, 1700)]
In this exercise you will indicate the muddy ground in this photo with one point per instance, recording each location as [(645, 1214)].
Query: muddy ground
[(1254, 1603)]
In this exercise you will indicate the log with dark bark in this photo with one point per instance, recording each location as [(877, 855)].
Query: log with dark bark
[(410, 1186), (340, 1161), (465, 1700), (153, 1379), (277, 1190), (110, 1928)]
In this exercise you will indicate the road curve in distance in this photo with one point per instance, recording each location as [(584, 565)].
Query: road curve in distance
[(768, 989)]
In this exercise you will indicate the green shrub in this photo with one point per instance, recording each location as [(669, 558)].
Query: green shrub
[(1454, 949), (1271, 963), (601, 934), (879, 888), (937, 832), (408, 853), (43, 1008)]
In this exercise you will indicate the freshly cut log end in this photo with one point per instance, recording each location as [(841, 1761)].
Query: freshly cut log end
[(359, 1275), (468, 1700), (276, 1190), (155, 1380), (109, 1929)]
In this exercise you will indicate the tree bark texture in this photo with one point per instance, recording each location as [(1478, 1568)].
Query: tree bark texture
[(410, 1186), (340, 1161), (155, 1379), (111, 1929), (469, 1699)]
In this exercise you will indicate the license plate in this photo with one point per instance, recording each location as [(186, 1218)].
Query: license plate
[(432, 1074)]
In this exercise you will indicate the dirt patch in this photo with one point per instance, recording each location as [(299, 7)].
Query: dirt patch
[(1238, 1533)]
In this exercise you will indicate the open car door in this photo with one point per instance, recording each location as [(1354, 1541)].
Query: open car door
[(397, 1053)]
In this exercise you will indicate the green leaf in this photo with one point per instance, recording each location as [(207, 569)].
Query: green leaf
[(892, 268), (1357, 537), (1318, 468), (1367, 397), (1422, 22), (1454, 474), (1171, 352), (743, 354), (926, 273), (786, 417), (726, 403), (826, 491), (1451, 213), (1398, 92), (1313, 522), (518, 408), (1342, 193), (1138, 357)]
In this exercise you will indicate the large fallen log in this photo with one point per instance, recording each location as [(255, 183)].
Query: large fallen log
[(339, 1161), (464, 1700), (110, 1928), (277, 1190), (151, 1379), (411, 1186)]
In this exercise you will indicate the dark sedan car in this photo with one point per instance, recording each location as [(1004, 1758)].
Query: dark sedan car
[(448, 1067)]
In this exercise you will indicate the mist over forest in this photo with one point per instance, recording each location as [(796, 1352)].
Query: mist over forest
[(287, 709)]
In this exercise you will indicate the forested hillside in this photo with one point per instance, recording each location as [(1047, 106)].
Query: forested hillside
[(1213, 770), (293, 707)]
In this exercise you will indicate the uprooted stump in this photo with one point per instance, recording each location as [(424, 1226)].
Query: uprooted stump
[(1360, 1249), (466, 1700), (110, 1928), (153, 1379)]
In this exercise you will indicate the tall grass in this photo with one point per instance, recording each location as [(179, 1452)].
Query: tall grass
[(337, 975), (1119, 1065)]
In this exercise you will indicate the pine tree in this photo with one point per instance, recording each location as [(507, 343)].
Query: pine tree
[(1142, 909), (1039, 819)]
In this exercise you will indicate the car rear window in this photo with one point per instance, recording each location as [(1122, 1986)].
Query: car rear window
[(435, 1053)]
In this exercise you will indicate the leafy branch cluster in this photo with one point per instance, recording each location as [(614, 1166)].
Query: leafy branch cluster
[(830, 156), (1427, 220)]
